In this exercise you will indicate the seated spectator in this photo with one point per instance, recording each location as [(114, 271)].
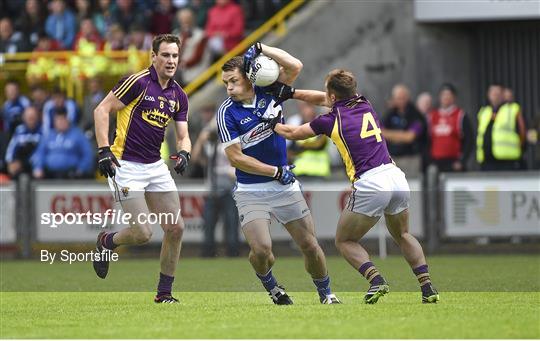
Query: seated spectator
[(46, 44), (162, 18), (63, 154), (61, 24), (103, 18), (32, 21), (404, 131), (450, 133), (10, 40), (115, 39), (224, 27), (139, 39), (127, 13), (501, 133), (23, 143), (194, 58), (310, 156), (38, 96), (13, 107), (88, 37), (58, 101), (84, 10)]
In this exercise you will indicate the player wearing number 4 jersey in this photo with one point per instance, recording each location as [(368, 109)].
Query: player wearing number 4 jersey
[(378, 185)]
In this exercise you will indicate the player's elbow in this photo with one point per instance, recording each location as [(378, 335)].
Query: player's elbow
[(296, 67)]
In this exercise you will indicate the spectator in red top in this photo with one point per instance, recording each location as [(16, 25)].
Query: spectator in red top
[(224, 27), (162, 18), (89, 33), (450, 133)]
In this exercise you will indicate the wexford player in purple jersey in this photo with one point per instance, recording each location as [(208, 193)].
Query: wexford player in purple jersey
[(145, 103), (265, 184), (379, 187)]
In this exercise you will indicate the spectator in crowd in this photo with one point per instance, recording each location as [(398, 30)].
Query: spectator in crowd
[(127, 13), (23, 143), (116, 38), (64, 153), (93, 97), (200, 8), (450, 133), (84, 10), (88, 37), (13, 107), (38, 96), (194, 58), (310, 156), (139, 39), (224, 27), (501, 133), (58, 101), (61, 24), (46, 43), (162, 18), (32, 21), (219, 202), (404, 131), (424, 103), (10, 40), (103, 18), (508, 95)]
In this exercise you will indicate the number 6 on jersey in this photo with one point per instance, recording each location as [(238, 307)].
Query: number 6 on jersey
[(369, 120)]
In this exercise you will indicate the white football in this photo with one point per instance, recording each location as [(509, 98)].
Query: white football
[(264, 71)]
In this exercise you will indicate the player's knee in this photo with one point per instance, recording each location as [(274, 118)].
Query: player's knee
[(262, 251), (309, 246), (339, 244), (174, 231), (143, 236)]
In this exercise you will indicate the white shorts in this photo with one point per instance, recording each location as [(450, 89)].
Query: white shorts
[(381, 189), (259, 201), (132, 179)]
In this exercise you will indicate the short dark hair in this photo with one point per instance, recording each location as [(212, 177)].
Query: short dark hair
[(60, 111), (234, 63), (164, 38), (341, 83), (449, 87)]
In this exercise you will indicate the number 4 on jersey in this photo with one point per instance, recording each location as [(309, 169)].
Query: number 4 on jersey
[(370, 120)]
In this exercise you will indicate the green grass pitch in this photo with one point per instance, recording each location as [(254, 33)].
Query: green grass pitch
[(481, 297)]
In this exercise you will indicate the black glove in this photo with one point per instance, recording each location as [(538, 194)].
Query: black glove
[(182, 160), (285, 175), (275, 120), (251, 54), (106, 159), (280, 91)]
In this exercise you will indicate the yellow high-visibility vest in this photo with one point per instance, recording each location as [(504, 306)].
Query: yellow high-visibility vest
[(313, 162), (506, 144)]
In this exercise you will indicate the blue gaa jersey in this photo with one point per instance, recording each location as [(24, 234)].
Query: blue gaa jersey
[(245, 124)]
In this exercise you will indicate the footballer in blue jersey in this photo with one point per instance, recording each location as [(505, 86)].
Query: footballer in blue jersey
[(266, 185)]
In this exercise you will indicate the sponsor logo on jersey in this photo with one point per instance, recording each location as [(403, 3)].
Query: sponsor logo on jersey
[(156, 118), (246, 120), (260, 132)]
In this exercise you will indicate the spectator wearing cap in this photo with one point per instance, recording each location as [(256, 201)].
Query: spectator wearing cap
[(65, 153), (501, 133), (404, 130), (450, 133)]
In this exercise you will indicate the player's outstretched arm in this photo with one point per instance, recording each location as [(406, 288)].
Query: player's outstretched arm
[(247, 163), (290, 66), (101, 117), (295, 133), (314, 97)]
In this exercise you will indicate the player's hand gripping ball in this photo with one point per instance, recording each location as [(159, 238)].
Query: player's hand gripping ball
[(263, 71)]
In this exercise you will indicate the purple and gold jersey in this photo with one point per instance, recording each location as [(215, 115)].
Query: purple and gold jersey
[(354, 127), (140, 126)]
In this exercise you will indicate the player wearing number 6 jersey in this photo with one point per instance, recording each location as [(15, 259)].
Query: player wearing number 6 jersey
[(378, 185)]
